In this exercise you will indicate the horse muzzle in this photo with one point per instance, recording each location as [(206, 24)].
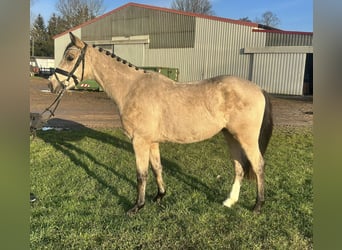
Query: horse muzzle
[(55, 87)]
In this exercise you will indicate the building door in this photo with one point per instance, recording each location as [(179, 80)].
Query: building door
[(308, 75)]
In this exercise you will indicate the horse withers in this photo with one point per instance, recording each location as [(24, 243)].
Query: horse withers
[(155, 109)]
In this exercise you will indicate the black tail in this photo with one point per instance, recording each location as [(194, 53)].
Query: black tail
[(264, 136), (266, 126)]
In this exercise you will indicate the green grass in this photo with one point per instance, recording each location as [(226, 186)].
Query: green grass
[(85, 182)]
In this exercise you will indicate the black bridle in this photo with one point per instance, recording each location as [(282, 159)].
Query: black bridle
[(81, 59)]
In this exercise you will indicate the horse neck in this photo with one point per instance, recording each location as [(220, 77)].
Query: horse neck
[(115, 77)]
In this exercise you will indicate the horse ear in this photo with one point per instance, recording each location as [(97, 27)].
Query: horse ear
[(76, 41)]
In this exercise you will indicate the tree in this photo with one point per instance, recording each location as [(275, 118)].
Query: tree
[(245, 19), (75, 12), (39, 38), (269, 19), (195, 6), (71, 14), (55, 25)]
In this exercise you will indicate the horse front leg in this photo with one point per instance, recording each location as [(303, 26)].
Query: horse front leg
[(157, 171), (141, 150)]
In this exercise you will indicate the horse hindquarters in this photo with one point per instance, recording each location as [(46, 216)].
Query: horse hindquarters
[(264, 138), (246, 158), (247, 149)]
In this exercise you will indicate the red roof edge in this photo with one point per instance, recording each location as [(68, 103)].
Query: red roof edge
[(151, 7), (284, 32)]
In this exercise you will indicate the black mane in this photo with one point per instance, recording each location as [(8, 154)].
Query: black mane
[(119, 59)]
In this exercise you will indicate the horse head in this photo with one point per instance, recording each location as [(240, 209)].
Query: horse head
[(71, 70)]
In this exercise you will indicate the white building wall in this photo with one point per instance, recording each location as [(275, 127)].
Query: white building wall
[(60, 44), (45, 62)]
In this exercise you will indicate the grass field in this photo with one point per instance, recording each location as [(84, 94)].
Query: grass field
[(85, 181)]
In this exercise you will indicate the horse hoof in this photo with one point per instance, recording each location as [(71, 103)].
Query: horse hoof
[(257, 210), (135, 209), (159, 197), (257, 207), (228, 203)]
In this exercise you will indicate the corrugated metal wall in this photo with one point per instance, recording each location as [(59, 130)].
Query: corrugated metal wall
[(183, 59), (279, 73), (286, 39), (134, 53), (219, 46), (218, 51), (199, 47), (166, 30)]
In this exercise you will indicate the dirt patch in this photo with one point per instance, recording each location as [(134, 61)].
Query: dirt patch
[(292, 110), (97, 110)]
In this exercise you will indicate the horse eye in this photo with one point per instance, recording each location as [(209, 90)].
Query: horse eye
[(70, 58)]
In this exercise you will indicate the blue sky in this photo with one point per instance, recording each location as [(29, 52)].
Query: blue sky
[(294, 15)]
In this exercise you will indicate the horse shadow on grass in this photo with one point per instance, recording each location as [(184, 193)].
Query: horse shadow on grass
[(65, 145)]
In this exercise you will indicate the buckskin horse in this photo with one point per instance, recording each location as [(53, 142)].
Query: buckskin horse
[(155, 109)]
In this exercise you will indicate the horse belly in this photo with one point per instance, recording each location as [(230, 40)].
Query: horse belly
[(189, 129)]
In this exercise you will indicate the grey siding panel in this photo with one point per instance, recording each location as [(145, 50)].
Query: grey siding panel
[(166, 30), (182, 59), (218, 50), (279, 73), (100, 30), (220, 47), (199, 47), (279, 39), (133, 53)]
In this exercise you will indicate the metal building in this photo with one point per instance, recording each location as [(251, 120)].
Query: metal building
[(202, 46)]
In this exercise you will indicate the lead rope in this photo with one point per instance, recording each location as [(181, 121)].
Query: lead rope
[(56, 103), (37, 121)]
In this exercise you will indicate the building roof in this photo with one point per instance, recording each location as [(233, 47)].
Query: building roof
[(258, 27), (221, 19)]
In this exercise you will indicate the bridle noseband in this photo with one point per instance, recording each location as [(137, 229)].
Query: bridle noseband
[(71, 74)]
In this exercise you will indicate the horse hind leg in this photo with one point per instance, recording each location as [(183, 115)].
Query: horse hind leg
[(157, 171), (236, 153), (251, 148)]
